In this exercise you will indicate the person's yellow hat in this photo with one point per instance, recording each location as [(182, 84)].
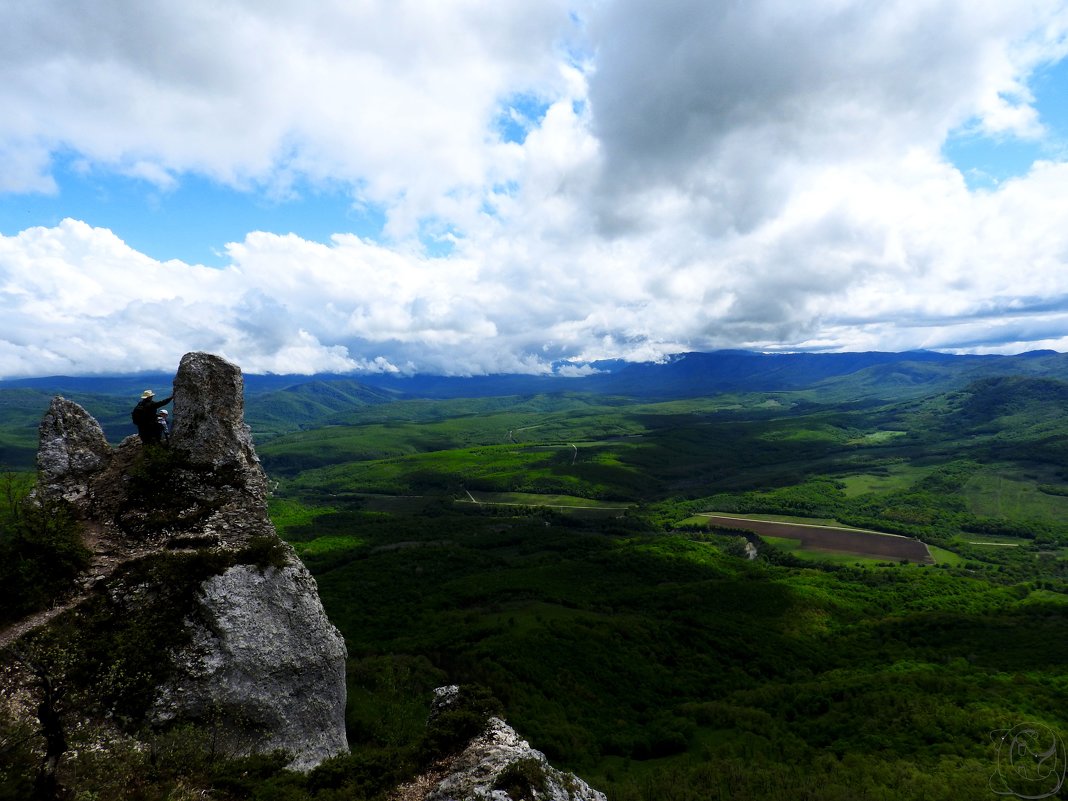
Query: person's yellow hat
[(147, 394)]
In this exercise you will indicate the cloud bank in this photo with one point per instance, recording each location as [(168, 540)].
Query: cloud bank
[(560, 182)]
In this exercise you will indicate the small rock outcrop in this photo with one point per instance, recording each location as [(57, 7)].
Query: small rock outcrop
[(259, 662), (499, 765), (72, 452)]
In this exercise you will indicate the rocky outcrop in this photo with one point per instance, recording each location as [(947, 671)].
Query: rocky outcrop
[(254, 661), (259, 663), (266, 651), (209, 417), (497, 765), (72, 452)]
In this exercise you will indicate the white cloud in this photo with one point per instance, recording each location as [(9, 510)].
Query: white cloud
[(765, 175), (393, 97)]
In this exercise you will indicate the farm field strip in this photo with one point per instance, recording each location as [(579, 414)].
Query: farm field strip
[(796, 548), (833, 538), (769, 519)]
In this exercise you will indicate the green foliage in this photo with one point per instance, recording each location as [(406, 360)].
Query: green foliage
[(659, 663), (18, 758), (290, 513), (640, 659), (263, 552), (451, 728), (594, 644), (41, 550), (523, 780), (389, 699)]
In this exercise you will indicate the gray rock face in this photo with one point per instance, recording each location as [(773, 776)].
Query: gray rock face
[(268, 653), (72, 451), (499, 765), (209, 409), (266, 669), (498, 760)]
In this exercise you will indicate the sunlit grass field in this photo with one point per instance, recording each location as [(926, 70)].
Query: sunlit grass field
[(1008, 491)]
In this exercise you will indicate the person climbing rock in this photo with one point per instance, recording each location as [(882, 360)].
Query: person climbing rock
[(144, 417)]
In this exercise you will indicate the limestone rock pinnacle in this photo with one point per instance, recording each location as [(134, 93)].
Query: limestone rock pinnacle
[(209, 409), (261, 663)]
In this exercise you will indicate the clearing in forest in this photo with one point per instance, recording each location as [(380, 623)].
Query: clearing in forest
[(831, 538)]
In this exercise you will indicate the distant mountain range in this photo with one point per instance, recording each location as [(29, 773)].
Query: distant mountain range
[(276, 403), (837, 376)]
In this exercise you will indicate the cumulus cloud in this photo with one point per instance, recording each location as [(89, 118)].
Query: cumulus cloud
[(696, 175), (391, 98)]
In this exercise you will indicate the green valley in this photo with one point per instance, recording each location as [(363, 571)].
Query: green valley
[(641, 647)]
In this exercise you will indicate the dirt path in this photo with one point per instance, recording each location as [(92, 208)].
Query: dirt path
[(23, 627), (107, 555)]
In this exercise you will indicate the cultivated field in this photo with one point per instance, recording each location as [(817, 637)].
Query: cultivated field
[(831, 538)]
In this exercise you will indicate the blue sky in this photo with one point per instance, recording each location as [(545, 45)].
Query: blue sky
[(986, 159), (506, 186), (192, 221)]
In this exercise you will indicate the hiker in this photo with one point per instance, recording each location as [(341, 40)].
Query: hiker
[(164, 426), (144, 417)]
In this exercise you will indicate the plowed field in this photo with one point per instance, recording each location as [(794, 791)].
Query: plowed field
[(829, 538)]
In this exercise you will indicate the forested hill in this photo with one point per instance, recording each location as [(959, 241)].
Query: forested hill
[(278, 403)]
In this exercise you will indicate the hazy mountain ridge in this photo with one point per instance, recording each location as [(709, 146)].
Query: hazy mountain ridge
[(280, 403)]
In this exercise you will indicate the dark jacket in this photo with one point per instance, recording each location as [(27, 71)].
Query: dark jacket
[(144, 417)]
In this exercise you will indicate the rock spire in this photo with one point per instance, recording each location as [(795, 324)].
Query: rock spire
[(259, 662)]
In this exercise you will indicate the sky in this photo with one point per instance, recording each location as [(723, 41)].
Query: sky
[(465, 187)]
